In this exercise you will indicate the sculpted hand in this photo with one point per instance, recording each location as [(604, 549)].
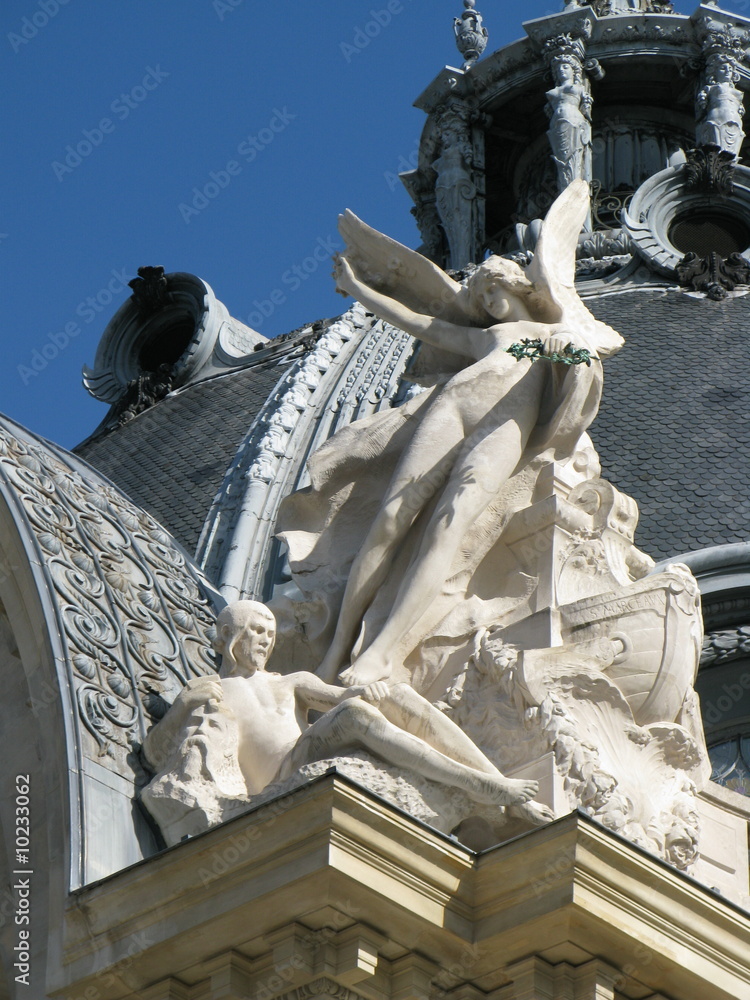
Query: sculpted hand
[(200, 690), (558, 341), (373, 694), (346, 283)]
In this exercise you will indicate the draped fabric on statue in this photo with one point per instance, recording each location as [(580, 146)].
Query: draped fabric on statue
[(325, 525)]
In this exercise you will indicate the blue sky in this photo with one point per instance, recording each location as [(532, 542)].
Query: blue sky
[(160, 94)]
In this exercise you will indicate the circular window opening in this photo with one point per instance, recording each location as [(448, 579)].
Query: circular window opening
[(167, 345), (705, 231)]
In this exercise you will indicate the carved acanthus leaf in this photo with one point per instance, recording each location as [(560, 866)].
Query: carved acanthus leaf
[(710, 168)]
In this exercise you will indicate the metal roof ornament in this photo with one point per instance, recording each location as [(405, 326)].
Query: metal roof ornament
[(471, 35), (150, 289)]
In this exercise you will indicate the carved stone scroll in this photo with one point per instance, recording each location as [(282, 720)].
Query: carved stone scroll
[(714, 274)]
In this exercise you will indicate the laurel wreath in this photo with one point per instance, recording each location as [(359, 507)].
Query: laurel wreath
[(534, 351)]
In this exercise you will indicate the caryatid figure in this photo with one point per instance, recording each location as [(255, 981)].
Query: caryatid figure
[(569, 109), (720, 106)]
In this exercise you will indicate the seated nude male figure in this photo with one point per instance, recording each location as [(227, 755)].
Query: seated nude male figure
[(395, 723)]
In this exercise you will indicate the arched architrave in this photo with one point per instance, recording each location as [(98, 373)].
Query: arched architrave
[(103, 618), (41, 743)]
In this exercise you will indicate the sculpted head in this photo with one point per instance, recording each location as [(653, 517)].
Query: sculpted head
[(567, 69), (496, 282), (723, 69), (245, 635)]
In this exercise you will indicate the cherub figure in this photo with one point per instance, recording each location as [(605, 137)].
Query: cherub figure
[(259, 719), (469, 437)]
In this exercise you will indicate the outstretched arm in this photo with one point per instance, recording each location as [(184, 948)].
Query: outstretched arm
[(313, 694), (470, 341)]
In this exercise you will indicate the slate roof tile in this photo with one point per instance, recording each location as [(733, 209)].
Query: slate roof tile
[(674, 426), (171, 458)]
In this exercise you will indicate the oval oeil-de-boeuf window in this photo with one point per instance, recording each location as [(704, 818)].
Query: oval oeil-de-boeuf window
[(705, 231)]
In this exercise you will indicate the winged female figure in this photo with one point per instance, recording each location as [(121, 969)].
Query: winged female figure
[(439, 466)]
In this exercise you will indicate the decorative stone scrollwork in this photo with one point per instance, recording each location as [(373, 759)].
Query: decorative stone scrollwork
[(143, 392), (713, 274), (323, 987), (634, 777), (135, 615), (427, 217), (602, 245), (605, 8), (665, 200)]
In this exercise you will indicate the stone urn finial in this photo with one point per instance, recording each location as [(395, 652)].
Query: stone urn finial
[(471, 35)]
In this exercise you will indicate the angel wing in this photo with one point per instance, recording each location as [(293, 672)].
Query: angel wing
[(405, 275), (552, 269)]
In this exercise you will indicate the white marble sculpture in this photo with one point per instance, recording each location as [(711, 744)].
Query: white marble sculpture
[(435, 478), (473, 584), (613, 701), (227, 738)]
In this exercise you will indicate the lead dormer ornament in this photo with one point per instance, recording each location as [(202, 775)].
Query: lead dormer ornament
[(150, 289), (569, 106), (719, 103), (471, 35)]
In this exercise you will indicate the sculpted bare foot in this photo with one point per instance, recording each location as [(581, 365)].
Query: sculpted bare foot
[(366, 670), (503, 791), (534, 812)]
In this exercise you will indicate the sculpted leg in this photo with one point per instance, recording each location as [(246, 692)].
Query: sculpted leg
[(355, 723), (475, 480), (419, 475), (367, 574), (412, 713)]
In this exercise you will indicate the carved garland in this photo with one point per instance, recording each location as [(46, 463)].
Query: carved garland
[(725, 645)]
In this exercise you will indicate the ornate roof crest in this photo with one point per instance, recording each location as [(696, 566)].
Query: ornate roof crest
[(471, 35)]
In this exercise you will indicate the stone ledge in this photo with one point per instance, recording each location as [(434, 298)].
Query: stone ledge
[(332, 881)]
